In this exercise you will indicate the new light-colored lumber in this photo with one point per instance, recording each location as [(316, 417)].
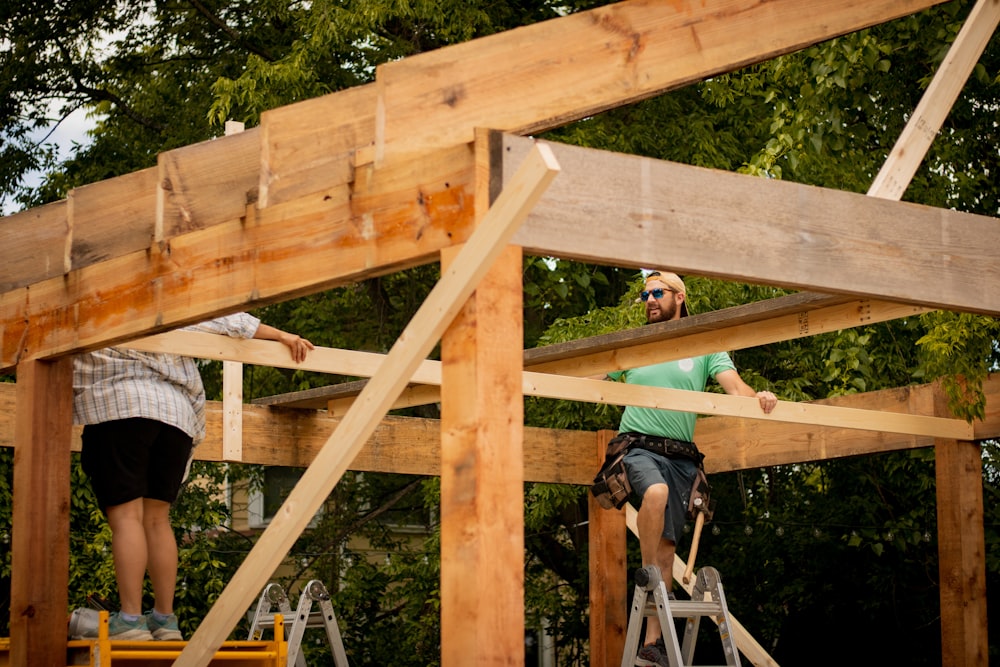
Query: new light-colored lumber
[(578, 389), (926, 121), (745, 642), (707, 403), (632, 211), (408, 445), (232, 409), (416, 341), (568, 68), (41, 501)]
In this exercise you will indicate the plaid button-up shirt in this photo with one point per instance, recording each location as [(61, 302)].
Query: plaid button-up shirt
[(118, 383)]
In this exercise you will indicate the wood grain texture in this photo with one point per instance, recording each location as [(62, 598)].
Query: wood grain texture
[(565, 69), (638, 212)]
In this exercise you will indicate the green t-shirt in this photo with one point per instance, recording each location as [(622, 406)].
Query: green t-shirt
[(690, 374)]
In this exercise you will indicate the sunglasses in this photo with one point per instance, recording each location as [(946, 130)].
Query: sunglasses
[(657, 293)]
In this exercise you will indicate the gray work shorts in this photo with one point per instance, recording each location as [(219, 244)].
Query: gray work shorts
[(646, 468)]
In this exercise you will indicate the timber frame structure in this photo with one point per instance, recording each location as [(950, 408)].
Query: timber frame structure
[(415, 168)]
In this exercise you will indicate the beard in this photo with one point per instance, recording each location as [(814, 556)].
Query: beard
[(662, 312)]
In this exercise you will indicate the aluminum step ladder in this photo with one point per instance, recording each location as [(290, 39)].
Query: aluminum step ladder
[(273, 596), (707, 599)]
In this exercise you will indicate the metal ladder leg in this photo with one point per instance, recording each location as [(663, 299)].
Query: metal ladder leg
[(315, 591), (648, 580)]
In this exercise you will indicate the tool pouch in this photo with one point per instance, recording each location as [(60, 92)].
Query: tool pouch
[(611, 488), (701, 497)]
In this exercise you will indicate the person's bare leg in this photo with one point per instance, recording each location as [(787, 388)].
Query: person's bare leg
[(128, 546), (162, 554), (654, 549)]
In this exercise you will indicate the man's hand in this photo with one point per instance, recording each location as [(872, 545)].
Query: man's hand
[(767, 401)]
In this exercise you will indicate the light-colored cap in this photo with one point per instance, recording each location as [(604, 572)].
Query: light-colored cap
[(671, 280)]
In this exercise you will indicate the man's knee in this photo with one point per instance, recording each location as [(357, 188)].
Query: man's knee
[(656, 496)]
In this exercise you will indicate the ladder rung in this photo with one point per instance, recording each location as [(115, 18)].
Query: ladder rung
[(687, 608), (316, 620)]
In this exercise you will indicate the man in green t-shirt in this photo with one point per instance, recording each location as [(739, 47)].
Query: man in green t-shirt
[(661, 483)]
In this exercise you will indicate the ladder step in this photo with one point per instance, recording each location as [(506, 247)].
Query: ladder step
[(687, 608), (316, 620)]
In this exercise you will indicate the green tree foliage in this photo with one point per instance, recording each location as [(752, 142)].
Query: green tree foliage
[(810, 554)]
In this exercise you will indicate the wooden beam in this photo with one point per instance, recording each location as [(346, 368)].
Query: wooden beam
[(580, 389), (409, 445), (568, 68), (40, 539), (609, 584), (760, 323), (33, 244), (270, 255), (926, 121), (416, 341), (961, 550), (207, 183), (632, 211)]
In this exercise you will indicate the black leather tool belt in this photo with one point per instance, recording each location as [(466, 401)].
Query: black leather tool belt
[(664, 446)]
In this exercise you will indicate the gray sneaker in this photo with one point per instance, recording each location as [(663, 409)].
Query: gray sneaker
[(164, 630), (120, 629)]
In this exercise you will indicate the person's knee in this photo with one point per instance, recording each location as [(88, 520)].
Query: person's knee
[(656, 496)]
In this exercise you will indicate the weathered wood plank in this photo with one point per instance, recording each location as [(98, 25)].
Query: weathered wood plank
[(304, 145), (207, 183), (568, 68), (112, 217), (33, 245), (270, 255), (632, 211), (40, 541)]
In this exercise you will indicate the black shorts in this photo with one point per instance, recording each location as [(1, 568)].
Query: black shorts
[(135, 458), (646, 468)]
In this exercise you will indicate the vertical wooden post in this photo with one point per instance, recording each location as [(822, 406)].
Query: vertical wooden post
[(40, 538), (482, 466), (961, 550), (608, 575)]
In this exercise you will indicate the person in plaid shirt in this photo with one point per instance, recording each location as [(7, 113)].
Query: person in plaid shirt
[(142, 415)]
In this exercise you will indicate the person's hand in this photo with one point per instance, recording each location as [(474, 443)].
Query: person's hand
[(767, 401), (297, 345)]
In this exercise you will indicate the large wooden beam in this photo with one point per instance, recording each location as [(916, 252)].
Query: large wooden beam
[(632, 211), (568, 68), (269, 255), (40, 538), (482, 465), (961, 549)]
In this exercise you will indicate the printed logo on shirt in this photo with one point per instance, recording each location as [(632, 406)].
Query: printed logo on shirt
[(686, 365)]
